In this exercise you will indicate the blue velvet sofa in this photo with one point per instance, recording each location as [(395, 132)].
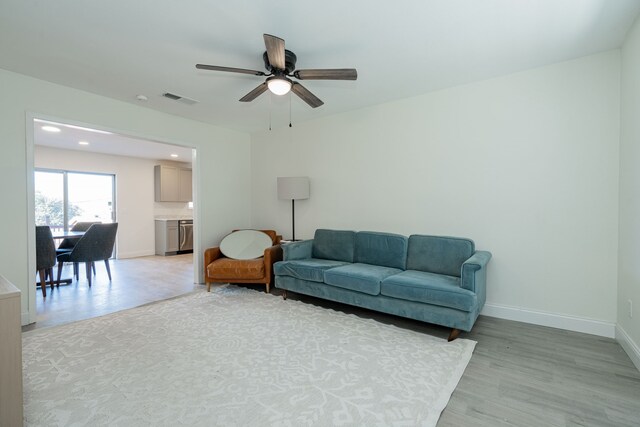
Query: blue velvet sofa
[(433, 279)]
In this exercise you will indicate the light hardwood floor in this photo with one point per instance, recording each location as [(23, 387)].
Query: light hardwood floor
[(135, 281), (527, 375), (519, 375)]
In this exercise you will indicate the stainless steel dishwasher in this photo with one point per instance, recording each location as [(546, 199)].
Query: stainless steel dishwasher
[(185, 236)]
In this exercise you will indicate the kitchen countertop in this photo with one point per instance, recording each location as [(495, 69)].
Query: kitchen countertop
[(172, 218)]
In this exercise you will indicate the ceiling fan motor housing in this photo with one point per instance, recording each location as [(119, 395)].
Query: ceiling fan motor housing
[(290, 59)]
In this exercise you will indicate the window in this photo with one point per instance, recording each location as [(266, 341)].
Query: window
[(63, 198)]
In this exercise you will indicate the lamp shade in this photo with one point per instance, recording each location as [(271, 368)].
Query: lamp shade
[(293, 187)]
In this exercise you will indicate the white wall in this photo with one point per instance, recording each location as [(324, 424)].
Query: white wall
[(223, 163), (629, 252), (135, 207), (526, 165)]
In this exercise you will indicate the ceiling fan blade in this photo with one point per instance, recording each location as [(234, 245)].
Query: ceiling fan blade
[(254, 93), (275, 51), (327, 74), (306, 96), (229, 69)]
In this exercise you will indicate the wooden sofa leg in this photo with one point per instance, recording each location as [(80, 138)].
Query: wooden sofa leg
[(453, 334), (268, 288), (208, 286), (284, 294)]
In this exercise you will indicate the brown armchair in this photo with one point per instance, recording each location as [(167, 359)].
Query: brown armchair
[(220, 269)]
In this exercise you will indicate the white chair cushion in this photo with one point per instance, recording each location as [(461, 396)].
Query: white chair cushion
[(245, 244)]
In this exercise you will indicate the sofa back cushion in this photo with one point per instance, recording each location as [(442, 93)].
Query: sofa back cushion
[(440, 255), (338, 245), (383, 249)]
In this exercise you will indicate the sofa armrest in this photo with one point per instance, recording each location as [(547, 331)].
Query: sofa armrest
[(474, 273), (210, 255), (271, 255), (297, 250)]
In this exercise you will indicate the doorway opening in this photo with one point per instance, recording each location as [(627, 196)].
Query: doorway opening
[(108, 177)]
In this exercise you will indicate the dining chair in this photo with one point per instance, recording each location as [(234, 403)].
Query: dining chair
[(45, 257), (67, 244), (96, 245)]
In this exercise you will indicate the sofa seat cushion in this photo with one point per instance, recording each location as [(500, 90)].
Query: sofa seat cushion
[(359, 277), (429, 288), (227, 268), (311, 269)]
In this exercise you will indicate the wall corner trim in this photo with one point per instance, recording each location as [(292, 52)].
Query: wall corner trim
[(629, 346), (553, 320)]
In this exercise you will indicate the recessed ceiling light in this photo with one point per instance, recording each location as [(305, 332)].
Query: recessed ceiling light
[(51, 129), (83, 142), (174, 155), (72, 127)]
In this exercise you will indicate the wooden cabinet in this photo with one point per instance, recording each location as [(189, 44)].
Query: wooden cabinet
[(10, 355), (172, 184), (167, 242)]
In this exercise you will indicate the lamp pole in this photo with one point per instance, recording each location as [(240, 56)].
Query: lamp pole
[(293, 188), (293, 220)]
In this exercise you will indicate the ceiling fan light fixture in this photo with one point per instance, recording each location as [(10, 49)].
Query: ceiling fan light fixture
[(279, 85)]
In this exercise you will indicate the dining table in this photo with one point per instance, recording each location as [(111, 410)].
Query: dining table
[(57, 235)]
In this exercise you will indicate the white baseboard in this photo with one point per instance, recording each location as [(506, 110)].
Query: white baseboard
[(631, 347), (137, 254), (561, 321)]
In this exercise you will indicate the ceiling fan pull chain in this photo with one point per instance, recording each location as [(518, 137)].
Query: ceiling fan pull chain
[(270, 111), (290, 109)]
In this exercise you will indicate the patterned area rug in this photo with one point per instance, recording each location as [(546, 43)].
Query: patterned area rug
[(236, 357)]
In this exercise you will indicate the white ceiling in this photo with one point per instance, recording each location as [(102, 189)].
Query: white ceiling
[(69, 136), (121, 48)]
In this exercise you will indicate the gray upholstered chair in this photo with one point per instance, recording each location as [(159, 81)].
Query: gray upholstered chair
[(45, 257), (67, 244), (96, 245)]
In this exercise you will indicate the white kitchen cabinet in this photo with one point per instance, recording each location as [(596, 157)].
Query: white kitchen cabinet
[(167, 242), (172, 184), (185, 188)]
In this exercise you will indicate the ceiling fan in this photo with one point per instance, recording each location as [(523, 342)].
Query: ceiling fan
[(281, 64)]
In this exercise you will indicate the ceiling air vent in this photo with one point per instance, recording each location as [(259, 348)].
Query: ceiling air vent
[(179, 98)]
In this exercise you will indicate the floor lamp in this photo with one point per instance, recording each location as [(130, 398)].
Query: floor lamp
[(293, 188)]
